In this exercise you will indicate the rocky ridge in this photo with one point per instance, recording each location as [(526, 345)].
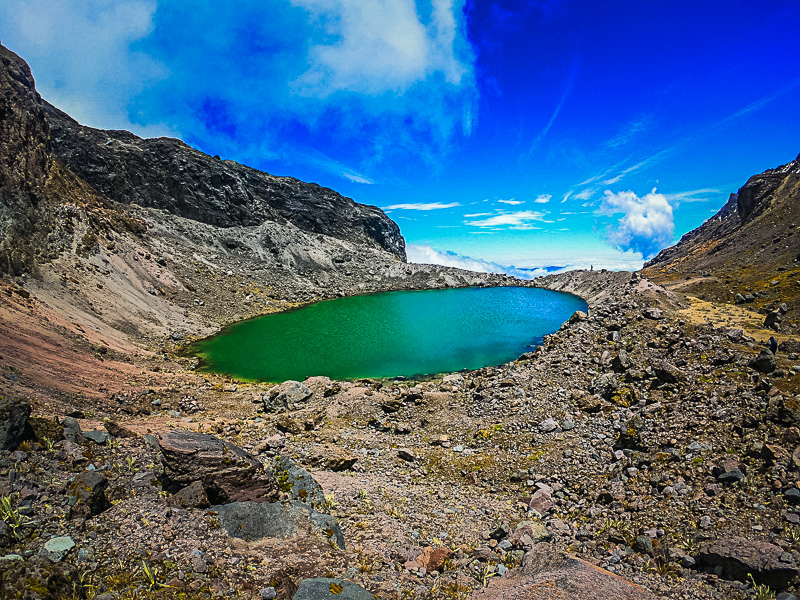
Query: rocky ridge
[(748, 253)]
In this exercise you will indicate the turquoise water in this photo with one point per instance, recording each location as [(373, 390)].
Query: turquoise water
[(389, 334)]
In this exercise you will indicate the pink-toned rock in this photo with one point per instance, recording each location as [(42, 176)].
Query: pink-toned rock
[(541, 502), (549, 574)]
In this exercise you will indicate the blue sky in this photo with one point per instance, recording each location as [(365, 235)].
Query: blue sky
[(526, 133)]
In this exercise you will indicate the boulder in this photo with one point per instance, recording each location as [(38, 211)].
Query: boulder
[(14, 413), (332, 458), (578, 316), (192, 496), (547, 573), (529, 533), (653, 313), (769, 564), (297, 483), (119, 430), (605, 385), (322, 588), (285, 396), (433, 559), (541, 502), (89, 488), (253, 521), (55, 549), (228, 473), (622, 362), (72, 429), (765, 362), (666, 372), (773, 320)]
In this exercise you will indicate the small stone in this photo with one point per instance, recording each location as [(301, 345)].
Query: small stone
[(406, 455), (731, 476), (792, 496), (57, 548), (643, 544), (97, 436), (548, 425), (268, 593)]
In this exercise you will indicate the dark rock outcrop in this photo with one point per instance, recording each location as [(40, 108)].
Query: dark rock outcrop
[(14, 413), (24, 164), (168, 174), (89, 489), (738, 557), (227, 473)]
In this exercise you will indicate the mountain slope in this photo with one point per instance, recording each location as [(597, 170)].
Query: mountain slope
[(166, 173), (749, 250)]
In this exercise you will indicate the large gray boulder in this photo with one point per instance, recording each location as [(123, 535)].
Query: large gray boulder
[(253, 521), (14, 413), (284, 396), (321, 588), (765, 362), (227, 473)]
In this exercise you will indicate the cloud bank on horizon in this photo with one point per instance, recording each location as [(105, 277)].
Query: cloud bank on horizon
[(522, 133)]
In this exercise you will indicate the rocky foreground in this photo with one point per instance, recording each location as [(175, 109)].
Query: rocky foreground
[(638, 453)]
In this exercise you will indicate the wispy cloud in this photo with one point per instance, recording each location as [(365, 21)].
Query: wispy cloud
[(483, 214), (330, 165), (585, 194), (631, 130), (703, 195), (569, 84), (566, 196), (422, 206), (543, 198), (521, 220), (512, 202)]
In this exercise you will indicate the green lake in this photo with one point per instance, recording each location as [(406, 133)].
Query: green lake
[(389, 334)]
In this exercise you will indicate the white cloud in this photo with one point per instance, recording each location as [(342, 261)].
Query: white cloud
[(566, 197), (473, 215), (381, 46), (422, 206), (512, 202), (543, 198), (369, 80), (647, 223), (80, 55), (518, 220), (426, 255), (693, 195), (584, 195), (330, 165)]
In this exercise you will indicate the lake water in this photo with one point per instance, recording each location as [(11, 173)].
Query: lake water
[(389, 334)]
